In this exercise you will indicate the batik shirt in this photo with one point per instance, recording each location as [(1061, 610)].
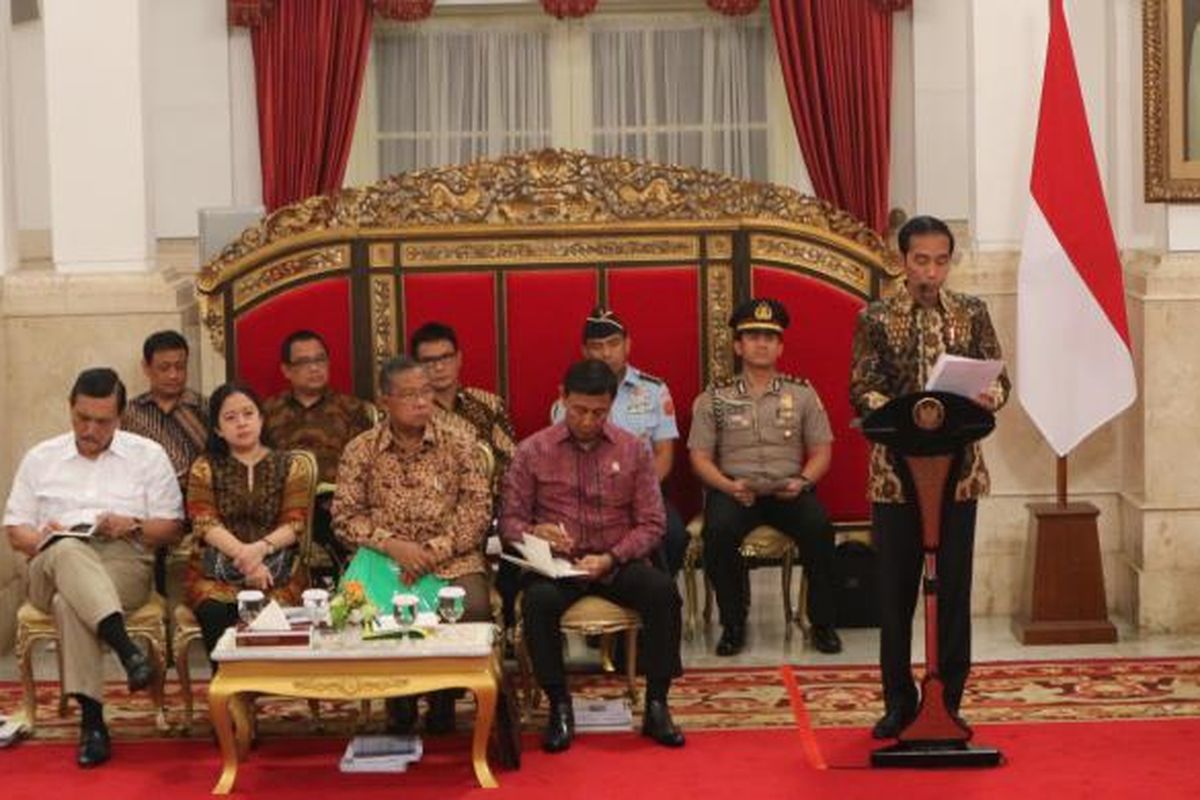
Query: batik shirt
[(896, 344)]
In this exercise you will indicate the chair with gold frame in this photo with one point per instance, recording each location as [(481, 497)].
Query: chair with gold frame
[(187, 629), (587, 616), (147, 623)]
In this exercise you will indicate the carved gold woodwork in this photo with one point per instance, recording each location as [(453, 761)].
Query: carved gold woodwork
[(1171, 173), (718, 296), (381, 254), (573, 250), (253, 285), (720, 247), (546, 187), (797, 253), (212, 316), (383, 318)]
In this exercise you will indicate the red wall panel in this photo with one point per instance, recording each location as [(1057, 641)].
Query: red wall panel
[(465, 301), (545, 310), (322, 306), (817, 347), (661, 308)]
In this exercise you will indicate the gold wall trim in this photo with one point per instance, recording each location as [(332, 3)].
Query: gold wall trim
[(251, 286), (718, 300), (813, 257), (381, 254), (415, 255), (720, 247), (212, 317), (542, 188), (383, 318)]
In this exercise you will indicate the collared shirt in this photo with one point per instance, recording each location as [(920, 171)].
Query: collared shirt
[(182, 432), (606, 497), (133, 477), (485, 417), (896, 344), (436, 496), (324, 428), (643, 406), (764, 439)]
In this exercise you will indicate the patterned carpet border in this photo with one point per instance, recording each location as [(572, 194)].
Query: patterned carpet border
[(725, 699)]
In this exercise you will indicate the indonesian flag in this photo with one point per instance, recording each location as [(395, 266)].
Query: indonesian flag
[(1074, 362)]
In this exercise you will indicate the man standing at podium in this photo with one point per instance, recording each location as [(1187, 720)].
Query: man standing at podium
[(896, 344)]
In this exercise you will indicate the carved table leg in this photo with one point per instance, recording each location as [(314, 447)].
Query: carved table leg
[(218, 709), (485, 711)]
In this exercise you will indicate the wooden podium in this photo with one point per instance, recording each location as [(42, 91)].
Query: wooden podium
[(928, 431), (1062, 599)]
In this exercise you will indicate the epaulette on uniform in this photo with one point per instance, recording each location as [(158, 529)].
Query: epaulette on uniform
[(648, 378), (724, 383), (789, 378)]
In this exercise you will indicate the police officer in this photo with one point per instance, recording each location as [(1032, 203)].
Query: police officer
[(643, 406), (760, 442)]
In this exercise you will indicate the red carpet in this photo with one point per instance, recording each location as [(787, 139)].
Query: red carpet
[(1143, 759)]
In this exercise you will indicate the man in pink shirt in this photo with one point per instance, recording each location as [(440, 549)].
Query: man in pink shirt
[(589, 488)]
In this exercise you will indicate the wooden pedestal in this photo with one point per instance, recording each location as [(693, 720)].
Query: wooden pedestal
[(1062, 599)]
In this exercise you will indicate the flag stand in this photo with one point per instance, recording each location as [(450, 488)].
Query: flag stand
[(1062, 599)]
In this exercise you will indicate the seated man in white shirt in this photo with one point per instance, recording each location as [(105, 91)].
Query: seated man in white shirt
[(122, 484)]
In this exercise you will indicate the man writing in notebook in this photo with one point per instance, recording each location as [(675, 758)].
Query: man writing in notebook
[(897, 342), (590, 489)]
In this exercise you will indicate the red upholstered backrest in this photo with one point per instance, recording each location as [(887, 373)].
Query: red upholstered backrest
[(817, 347), (322, 306)]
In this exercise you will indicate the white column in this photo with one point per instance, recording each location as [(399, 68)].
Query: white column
[(96, 110), (8, 194), (940, 86)]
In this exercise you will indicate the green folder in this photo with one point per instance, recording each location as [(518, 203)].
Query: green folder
[(380, 577)]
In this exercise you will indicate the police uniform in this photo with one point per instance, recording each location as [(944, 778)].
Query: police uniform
[(642, 406), (764, 441)]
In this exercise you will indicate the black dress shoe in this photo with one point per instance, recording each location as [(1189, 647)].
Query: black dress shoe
[(892, 723), (733, 639), (94, 747), (657, 724), (560, 727), (825, 639), (138, 671), (402, 715), (440, 717)]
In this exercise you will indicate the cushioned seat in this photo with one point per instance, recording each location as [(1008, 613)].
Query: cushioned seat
[(147, 623), (763, 546), (588, 616)]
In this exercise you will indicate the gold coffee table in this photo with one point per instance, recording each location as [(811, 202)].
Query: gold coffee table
[(453, 657)]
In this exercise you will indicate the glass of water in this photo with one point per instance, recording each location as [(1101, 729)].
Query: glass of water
[(250, 603), (404, 610), (316, 603), (451, 603)]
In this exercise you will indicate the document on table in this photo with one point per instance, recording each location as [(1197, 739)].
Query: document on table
[(537, 557), (969, 377)]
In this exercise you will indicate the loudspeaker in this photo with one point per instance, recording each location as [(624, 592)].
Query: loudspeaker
[(855, 590), (220, 226)]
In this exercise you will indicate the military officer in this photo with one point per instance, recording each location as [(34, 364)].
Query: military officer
[(760, 442), (643, 406)]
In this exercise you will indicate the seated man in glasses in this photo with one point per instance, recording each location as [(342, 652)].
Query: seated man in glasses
[(312, 416), (413, 490), (590, 489)]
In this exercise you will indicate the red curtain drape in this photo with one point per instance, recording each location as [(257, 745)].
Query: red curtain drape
[(309, 58), (837, 65)]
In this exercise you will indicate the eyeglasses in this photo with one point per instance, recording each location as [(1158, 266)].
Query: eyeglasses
[(433, 361), (413, 396), (309, 361)]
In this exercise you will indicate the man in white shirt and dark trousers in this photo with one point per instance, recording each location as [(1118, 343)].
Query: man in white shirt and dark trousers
[(123, 484)]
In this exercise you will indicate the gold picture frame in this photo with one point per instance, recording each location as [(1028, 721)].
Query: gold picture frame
[(1171, 99)]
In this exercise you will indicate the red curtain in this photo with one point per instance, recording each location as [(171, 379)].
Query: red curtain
[(837, 65), (309, 57)]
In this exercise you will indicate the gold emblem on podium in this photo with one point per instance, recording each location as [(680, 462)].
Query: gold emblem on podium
[(929, 414)]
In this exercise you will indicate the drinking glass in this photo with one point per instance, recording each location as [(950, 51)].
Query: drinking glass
[(316, 603), (250, 603), (451, 603), (404, 609)]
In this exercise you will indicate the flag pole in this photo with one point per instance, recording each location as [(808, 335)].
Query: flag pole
[(1062, 481)]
